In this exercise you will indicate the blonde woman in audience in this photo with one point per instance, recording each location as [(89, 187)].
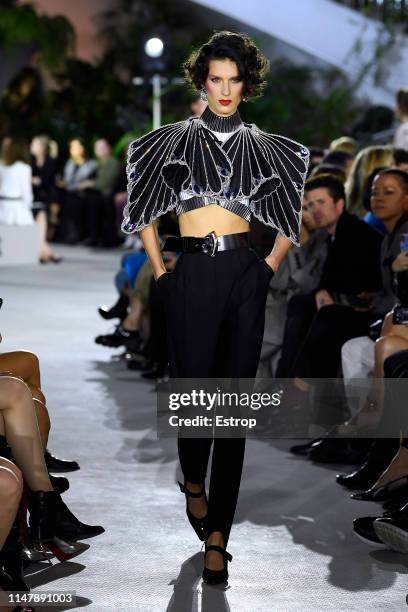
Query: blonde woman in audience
[(366, 161), (44, 170), (346, 144), (401, 133)]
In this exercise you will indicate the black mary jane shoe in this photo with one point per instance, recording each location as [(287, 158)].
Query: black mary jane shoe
[(198, 524), (216, 576)]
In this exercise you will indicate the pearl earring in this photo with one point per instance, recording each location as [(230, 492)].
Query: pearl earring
[(203, 94), (245, 99)]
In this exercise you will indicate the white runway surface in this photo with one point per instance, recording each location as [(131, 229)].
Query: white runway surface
[(293, 545)]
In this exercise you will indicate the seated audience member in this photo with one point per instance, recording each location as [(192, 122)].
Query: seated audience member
[(365, 162), (328, 170), (77, 171), (44, 170), (318, 323), (101, 216), (316, 156), (22, 440), (120, 197), (401, 159), (345, 143), (152, 359), (390, 528), (127, 333), (134, 299), (360, 355), (401, 133), (49, 516), (299, 272), (16, 193), (370, 217), (390, 203), (26, 366), (339, 159)]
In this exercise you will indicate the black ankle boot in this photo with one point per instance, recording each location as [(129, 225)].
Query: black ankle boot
[(11, 563), (117, 311), (56, 465), (121, 337), (44, 507), (70, 528)]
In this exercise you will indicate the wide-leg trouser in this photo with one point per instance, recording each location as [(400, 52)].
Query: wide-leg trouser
[(215, 309)]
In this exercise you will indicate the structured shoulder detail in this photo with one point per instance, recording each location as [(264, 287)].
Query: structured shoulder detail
[(267, 170), (148, 195), (282, 207), (252, 169), (197, 162)]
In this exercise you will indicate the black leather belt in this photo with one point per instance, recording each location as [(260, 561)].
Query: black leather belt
[(208, 244)]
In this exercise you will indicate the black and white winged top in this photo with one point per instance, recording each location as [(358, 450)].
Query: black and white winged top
[(216, 160)]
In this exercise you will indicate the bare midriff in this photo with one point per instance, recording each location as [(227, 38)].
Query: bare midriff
[(202, 221)]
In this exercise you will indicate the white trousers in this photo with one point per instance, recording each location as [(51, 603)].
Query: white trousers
[(357, 359)]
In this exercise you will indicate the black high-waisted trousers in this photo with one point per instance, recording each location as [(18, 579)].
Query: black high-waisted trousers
[(215, 310)]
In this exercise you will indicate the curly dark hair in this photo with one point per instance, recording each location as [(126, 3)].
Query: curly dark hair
[(251, 63)]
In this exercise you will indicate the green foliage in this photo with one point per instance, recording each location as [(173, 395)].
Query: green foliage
[(312, 105), (52, 37)]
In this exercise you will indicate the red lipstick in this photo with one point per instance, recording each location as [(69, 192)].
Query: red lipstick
[(225, 102)]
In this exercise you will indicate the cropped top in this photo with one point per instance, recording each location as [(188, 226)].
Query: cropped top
[(216, 160)]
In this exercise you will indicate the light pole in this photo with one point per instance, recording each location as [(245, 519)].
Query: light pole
[(154, 48)]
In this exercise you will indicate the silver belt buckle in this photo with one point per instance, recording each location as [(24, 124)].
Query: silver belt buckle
[(210, 244)]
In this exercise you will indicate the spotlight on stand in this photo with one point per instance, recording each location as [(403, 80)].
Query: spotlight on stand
[(154, 47)]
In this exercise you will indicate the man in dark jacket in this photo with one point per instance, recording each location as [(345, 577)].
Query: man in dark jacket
[(319, 323)]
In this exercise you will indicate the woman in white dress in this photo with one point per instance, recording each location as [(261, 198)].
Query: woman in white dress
[(16, 193)]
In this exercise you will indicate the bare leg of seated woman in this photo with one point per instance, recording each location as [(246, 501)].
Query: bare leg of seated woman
[(397, 340), (18, 422), (11, 488), (393, 338), (133, 318), (25, 365)]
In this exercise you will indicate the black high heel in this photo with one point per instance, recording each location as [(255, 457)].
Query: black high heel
[(216, 576), (385, 492), (198, 524), (11, 563), (44, 516)]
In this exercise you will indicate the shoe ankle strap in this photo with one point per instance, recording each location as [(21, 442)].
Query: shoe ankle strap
[(184, 489), (219, 549)]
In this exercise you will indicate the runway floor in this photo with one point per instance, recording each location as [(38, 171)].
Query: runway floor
[(292, 542)]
